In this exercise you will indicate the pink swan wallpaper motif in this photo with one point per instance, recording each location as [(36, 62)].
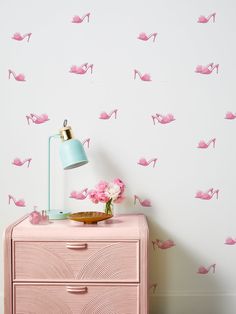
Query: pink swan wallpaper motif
[(203, 19), (105, 116), (19, 37), (82, 69), (143, 77), (79, 195), (203, 144), (202, 270), (18, 77), (18, 162), (37, 119), (145, 163), (19, 203), (77, 19), (145, 37), (144, 202), (207, 195), (207, 69), (166, 244), (163, 119), (230, 241), (230, 115)]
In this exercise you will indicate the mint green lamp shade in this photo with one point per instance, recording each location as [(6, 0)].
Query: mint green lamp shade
[(72, 156)]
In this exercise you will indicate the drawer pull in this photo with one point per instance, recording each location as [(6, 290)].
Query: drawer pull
[(76, 246), (74, 289)]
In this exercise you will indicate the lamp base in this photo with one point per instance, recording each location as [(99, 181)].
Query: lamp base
[(57, 214)]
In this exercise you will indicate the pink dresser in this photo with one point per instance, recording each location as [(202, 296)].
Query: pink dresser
[(71, 268)]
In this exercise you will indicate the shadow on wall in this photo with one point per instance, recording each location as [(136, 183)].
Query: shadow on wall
[(173, 271)]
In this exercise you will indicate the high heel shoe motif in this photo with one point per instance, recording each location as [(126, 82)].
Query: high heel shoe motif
[(20, 77), (153, 286), (106, 116), (230, 241), (230, 115), (145, 37), (19, 37), (167, 244), (19, 203), (144, 203), (163, 119), (203, 19), (203, 144), (145, 77), (86, 141), (37, 119), (203, 270), (18, 162), (81, 195), (78, 19), (82, 69), (207, 69), (207, 195), (145, 163)]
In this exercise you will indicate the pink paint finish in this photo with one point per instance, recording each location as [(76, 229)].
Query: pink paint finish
[(106, 116), (203, 144), (163, 119), (19, 37), (145, 37), (19, 203), (144, 77), (203, 19), (144, 203), (18, 162), (82, 69), (207, 195), (203, 270), (37, 119), (86, 141), (167, 244), (230, 241), (207, 69), (77, 19), (145, 163), (18, 77), (230, 115), (81, 195)]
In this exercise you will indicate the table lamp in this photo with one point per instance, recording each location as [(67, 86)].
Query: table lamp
[(72, 155)]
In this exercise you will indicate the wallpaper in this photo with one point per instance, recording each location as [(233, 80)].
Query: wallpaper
[(148, 88)]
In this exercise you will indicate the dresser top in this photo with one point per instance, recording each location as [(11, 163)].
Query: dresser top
[(119, 227)]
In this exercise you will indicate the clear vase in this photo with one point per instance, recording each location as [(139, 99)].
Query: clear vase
[(109, 208)]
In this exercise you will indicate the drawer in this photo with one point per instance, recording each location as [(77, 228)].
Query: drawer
[(76, 261), (75, 299)]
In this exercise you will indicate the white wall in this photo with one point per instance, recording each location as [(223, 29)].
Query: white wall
[(198, 102)]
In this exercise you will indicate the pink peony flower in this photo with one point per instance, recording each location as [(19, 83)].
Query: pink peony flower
[(93, 196), (101, 186), (102, 197), (120, 183)]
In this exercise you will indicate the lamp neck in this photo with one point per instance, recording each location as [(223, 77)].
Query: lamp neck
[(49, 168)]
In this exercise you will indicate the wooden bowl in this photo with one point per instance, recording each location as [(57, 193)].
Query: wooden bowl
[(89, 217)]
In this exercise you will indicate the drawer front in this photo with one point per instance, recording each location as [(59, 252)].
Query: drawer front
[(78, 261), (76, 299)]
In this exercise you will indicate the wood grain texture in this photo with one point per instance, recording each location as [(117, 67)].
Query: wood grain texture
[(98, 261), (54, 299)]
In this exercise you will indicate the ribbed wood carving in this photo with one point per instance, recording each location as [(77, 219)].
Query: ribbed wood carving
[(97, 261), (54, 299)]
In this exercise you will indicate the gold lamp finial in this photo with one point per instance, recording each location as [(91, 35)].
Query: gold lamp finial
[(66, 132)]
